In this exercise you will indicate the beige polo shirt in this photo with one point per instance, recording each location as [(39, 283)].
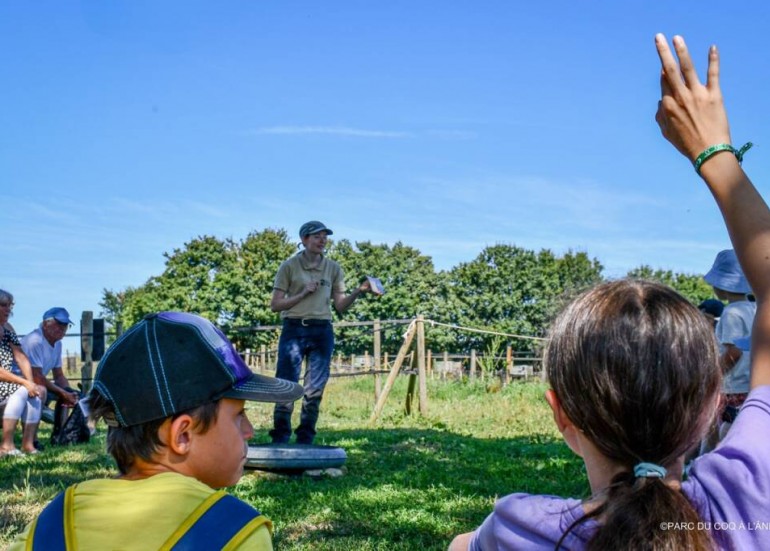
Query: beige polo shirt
[(295, 273)]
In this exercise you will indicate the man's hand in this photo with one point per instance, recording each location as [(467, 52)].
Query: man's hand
[(68, 398)]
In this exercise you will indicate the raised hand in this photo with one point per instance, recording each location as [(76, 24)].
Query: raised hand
[(691, 116)]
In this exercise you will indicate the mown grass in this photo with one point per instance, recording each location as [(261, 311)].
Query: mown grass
[(411, 482)]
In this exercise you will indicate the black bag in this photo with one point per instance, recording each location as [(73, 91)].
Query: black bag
[(74, 428)]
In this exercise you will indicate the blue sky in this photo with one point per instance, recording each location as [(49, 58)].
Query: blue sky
[(129, 128)]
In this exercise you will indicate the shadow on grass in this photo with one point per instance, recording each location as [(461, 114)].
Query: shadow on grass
[(405, 488), (410, 488)]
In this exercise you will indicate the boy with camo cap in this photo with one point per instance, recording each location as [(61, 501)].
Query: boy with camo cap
[(172, 390)]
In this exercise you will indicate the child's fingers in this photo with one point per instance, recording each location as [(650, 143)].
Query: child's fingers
[(665, 89), (671, 73), (685, 63), (712, 76)]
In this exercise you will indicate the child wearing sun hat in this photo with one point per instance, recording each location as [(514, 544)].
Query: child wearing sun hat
[(733, 328)]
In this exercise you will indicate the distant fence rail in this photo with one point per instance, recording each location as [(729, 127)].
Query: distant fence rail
[(414, 361)]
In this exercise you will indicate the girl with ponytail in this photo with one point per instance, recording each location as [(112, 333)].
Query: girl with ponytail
[(635, 382)]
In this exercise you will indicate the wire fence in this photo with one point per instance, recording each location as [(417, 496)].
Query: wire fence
[(504, 362)]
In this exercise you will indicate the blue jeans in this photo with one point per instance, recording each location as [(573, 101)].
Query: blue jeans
[(298, 341)]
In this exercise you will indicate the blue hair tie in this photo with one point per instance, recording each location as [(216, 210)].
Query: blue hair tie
[(649, 470)]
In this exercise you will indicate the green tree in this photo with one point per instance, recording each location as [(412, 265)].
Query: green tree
[(693, 287), (227, 282), (248, 287), (506, 288), (512, 290), (128, 306), (410, 283)]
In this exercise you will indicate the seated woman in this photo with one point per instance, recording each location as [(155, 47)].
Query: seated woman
[(16, 393)]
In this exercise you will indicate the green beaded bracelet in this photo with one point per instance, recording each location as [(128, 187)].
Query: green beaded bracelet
[(710, 151)]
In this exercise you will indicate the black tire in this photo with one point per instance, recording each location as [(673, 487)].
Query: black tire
[(293, 457)]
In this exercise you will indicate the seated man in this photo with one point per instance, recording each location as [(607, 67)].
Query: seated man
[(43, 348), (172, 392)]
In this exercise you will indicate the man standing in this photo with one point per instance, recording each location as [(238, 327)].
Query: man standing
[(43, 348), (304, 286)]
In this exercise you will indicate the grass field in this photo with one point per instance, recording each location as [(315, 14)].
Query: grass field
[(410, 482)]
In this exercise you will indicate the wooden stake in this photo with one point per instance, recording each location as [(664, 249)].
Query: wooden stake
[(394, 372), (410, 393), (421, 365), (508, 364), (377, 352), (446, 365), (86, 349)]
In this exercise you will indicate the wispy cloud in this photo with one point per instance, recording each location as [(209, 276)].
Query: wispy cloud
[(330, 130)]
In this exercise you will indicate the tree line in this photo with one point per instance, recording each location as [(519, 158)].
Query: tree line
[(505, 288)]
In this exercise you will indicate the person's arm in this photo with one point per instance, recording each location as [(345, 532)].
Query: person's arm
[(692, 117), (28, 381), (342, 301), (729, 357), (461, 542), (56, 386), (11, 377), (280, 301), (59, 378)]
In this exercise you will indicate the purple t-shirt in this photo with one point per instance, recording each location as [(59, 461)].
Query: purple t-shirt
[(729, 487)]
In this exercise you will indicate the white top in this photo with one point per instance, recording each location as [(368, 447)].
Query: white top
[(40, 353), (735, 323)]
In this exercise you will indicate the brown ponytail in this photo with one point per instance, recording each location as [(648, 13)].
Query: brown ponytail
[(634, 366), (632, 519)]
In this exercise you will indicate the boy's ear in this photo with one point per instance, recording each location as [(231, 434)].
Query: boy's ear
[(180, 434), (565, 425)]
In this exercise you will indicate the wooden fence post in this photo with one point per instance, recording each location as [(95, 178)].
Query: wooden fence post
[(263, 358), (421, 365), (429, 362), (71, 364), (86, 349), (411, 385), (393, 373), (446, 365), (377, 352), (508, 364), (473, 363)]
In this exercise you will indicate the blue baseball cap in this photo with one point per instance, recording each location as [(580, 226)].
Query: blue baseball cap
[(172, 362), (712, 306), (314, 226), (59, 314)]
